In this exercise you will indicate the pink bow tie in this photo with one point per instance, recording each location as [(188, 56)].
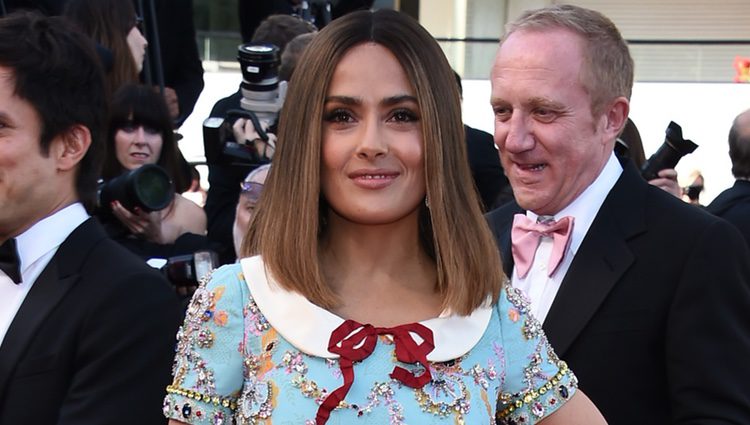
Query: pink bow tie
[(525, 236)]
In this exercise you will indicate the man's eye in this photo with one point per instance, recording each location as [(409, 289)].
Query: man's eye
[(502, 112), (544, 114)]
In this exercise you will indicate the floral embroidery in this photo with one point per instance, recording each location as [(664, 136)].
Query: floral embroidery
[(255, 401), (220, 318), (513, 314)]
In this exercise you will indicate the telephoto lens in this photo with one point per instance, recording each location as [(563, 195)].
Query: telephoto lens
[(259, 63), (148, 188), (669, 153), (261, 91)]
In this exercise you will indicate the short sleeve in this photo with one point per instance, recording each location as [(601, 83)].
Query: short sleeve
[(537, 382), (208, 366)]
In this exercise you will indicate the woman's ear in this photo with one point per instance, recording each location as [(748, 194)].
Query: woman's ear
[(71, 146)]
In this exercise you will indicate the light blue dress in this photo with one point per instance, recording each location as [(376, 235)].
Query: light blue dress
[(250, 352)]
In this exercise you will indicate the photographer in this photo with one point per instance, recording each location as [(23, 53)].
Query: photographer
[(629, 145), (226, 172), (140, 133)]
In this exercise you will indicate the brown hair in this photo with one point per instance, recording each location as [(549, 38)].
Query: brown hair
[(279, 30), (56, 70), (137, 104), (108, 23), (287, 225), (607, 71)]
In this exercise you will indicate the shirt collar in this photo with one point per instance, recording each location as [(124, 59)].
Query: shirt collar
[(49, 233), (585, 207), (308, 327)]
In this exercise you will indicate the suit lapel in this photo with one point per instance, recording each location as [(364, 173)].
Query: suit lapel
[(501, 222), (601, 260), (60, 275)]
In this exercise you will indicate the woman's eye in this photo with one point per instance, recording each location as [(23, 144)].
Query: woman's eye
[(339, 116), (128, 128), (404, 115), (150, 130)]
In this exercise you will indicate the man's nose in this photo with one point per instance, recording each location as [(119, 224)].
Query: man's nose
[(518, 137)]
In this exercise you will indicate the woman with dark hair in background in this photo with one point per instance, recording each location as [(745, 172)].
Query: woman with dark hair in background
[(140, 132), (113, 25), (370, 291)]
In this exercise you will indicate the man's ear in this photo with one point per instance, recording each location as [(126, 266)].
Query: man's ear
[(72, 146), (615, 117)]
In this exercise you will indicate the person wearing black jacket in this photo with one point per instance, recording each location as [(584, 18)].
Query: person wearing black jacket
[(86, 328), (733, 204)]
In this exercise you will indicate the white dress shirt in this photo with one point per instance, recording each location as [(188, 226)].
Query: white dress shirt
[(538, 286), (36, 247)]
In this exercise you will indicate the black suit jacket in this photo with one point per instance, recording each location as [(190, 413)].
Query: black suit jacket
[(92, 342), (488, 174), (652, 315), (733, 205)]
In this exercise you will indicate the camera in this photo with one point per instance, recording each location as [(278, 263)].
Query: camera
[(262, 98), (669, 153), (147, 188), (189, 269)]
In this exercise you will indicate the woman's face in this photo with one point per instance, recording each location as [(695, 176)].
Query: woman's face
[(372, 165), (137, 43), (136, 145)]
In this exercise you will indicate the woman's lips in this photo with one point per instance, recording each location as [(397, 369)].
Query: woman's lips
[(373, 179)]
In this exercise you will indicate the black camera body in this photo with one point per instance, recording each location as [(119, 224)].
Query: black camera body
[(148, 188), (669, 153), (262, 99), (189, 269)]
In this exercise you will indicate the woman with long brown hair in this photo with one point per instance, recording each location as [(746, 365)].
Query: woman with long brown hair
[(113, 24), (371, 290)]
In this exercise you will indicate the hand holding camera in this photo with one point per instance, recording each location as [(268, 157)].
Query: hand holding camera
[(244, 129), (666, 180), (262, 98), (669, 153), (145, 225)]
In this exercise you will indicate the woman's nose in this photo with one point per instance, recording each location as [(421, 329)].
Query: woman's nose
[(139, 135), (372, 143)]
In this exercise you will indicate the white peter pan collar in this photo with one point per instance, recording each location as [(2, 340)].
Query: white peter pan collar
[(308, 327)]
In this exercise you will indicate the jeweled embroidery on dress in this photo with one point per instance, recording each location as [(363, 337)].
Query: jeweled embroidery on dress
[(531, 402), (193, 334), (255, 402), (457, 386), (536, 399), (293, 363)]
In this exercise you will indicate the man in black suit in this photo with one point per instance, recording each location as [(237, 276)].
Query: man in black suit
[(86, 328), (648, 303), (733, 204)]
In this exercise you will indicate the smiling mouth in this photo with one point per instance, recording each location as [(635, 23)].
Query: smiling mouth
[(532, 167), (373, 181)]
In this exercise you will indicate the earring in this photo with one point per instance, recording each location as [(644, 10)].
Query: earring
[(426, 202)]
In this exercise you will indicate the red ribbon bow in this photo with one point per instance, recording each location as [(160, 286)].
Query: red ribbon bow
[(355, 346)]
